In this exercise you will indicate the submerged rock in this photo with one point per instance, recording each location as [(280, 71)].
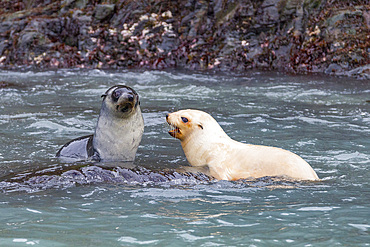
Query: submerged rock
[(91, 174), (64, 178)]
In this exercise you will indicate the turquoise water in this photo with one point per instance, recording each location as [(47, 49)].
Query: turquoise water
[(48, 202)]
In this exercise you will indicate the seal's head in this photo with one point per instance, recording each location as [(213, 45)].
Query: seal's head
[(121, 100), (187, 123)]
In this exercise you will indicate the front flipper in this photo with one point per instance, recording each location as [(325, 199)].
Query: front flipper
[(80, 148)]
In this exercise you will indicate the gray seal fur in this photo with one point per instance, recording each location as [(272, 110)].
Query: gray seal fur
[(118, 131)]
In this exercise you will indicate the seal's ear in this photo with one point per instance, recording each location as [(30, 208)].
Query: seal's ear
[(137, 101)]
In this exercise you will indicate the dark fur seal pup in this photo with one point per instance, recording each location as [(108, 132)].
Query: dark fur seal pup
[(118, 131)]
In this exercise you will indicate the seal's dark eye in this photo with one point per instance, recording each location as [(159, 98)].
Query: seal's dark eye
[(116, 94), (184, 119)]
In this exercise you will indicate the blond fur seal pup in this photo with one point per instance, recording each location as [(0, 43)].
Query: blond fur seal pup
[(118, 131), (205, 143)]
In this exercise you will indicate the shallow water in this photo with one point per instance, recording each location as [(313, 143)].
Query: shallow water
[(48, 202)]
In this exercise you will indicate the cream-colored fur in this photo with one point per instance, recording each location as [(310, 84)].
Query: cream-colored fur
[(205, 143)]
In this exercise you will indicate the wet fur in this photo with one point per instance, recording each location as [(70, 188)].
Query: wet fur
[(118, 131), (205, 143)]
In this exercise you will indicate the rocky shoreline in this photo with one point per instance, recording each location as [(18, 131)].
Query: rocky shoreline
[(297, 36)]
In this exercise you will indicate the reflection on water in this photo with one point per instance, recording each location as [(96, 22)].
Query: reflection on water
[(152, 202)]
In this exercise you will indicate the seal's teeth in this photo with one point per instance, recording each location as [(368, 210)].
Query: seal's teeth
[(169, 126), (172, 127)]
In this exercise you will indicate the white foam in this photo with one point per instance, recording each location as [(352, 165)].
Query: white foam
[(132, 240), (33, 211), (361, 227), (317, 208)]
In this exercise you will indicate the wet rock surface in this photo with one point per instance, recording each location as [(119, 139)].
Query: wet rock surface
[(297, 36), (63, 178)]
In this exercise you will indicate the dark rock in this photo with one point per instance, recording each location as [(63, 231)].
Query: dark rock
[(333, 69), (72, 4), (3, 46), (360, 72), (104, 11), (26, 39), (5, 26), (84, 19), (270, 12), (168, 43), (227, 13), (292, 35), (186, 20)]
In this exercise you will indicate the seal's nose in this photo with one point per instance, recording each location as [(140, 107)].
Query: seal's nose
[(167, 115)]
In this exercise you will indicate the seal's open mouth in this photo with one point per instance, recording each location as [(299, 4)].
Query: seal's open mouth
[(175, 131)]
